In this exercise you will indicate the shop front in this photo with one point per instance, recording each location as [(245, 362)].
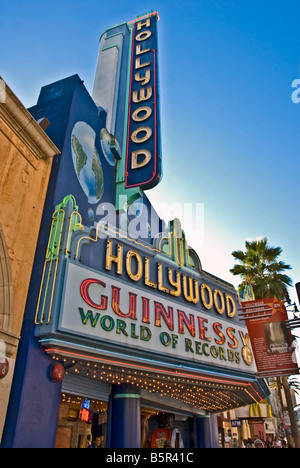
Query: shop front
[(256, 420), (85, 413), (82, 419)]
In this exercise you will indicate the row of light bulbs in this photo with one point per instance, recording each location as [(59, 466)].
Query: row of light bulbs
[(200, 394), (72, 400)]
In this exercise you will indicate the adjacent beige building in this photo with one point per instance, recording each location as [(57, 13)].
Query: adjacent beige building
[(26, 155)]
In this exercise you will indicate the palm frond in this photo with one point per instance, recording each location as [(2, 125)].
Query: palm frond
[(259, 266)]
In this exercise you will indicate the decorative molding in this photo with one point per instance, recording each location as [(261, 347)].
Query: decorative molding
[(11, 343), (22, 123), (6, 291)]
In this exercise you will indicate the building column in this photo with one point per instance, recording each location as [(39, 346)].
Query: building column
[(125, 429), (214, 431), (32, 413), (207, 431)]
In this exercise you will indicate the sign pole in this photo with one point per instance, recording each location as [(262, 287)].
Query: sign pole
[(292, 415)]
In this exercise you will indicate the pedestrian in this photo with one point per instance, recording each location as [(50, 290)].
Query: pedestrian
[(277, 443), (284, 443), (235, 443), (96, 443), (258, 443), (268, 443), (250, 443), (241, 443)]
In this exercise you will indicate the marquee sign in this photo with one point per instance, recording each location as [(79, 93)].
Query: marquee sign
[(143, 156), (102, 308), (118, 294)]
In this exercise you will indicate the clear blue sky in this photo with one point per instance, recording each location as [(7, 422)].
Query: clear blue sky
[(230, 131)]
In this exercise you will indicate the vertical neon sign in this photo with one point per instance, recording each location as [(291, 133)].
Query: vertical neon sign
[(143, 155)]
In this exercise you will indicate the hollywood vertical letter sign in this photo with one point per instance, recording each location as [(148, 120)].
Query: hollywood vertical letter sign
[(143, 155)]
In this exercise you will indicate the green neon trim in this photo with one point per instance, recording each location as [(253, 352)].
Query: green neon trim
[(110, 47), (127, 395), (65, 202)]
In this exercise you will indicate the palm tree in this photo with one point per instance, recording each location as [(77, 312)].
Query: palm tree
[(259, 267)]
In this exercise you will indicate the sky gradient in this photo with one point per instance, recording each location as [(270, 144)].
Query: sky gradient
[(230, 130)]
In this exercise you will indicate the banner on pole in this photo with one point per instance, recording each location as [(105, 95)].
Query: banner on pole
[(270, 337)]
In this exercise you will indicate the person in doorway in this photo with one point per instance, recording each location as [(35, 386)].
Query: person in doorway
[(96, 443)]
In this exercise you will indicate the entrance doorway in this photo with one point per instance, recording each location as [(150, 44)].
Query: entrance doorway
[(81, 419)]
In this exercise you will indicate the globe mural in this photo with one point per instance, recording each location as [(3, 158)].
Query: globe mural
[(87, 162), (110, 147)]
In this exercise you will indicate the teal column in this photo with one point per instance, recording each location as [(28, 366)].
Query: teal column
[(125, 417), (214, 431), (207, 431), (203, 432)]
